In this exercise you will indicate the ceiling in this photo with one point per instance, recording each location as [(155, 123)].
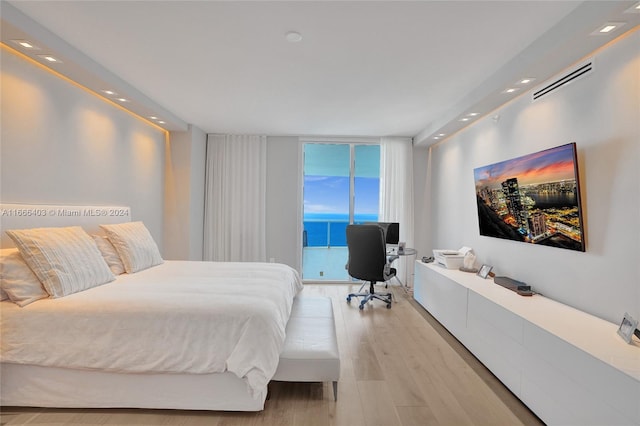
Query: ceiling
[(362, 68)]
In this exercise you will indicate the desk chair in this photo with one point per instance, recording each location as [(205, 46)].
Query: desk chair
[(368, 261)]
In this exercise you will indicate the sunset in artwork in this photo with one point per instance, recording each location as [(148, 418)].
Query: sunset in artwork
[(546, 166)]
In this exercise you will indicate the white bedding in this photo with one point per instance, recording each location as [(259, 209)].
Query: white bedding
[(178, 317)]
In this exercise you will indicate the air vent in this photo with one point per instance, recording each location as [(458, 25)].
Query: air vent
[(577, 73)]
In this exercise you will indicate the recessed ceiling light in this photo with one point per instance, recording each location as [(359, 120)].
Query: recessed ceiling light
[(511, 90), (26, 44), (293, 37), (123, 100), (153, 117), (50, 58), (464, 119), (526, 80), (473, 114), (109, 92), (442, 134), (161, 122), (634, 9), (608, 28), (436, 137)]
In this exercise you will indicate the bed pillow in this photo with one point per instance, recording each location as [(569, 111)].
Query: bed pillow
[(17, 281), (65, 260), (134, 244), (3, 294), (110, 254)]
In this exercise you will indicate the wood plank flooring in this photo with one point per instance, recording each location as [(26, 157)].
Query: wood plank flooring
[(400, 367)]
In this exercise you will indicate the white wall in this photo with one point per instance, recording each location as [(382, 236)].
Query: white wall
[(422, 201), (284, 183), (184, 195), (62, 145), (601, 113)]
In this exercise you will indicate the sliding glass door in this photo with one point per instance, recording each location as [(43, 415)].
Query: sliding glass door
[(341, 186), (366, 181)]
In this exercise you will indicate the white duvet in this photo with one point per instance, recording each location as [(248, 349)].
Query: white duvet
[(178, 317)]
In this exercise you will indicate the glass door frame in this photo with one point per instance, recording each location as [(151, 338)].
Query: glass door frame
[(352, 142)]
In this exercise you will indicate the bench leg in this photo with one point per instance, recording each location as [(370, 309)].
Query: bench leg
[(335, 391)]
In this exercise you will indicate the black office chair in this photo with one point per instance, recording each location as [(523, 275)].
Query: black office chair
[(368, 261)]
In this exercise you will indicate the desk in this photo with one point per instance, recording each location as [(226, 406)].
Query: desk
[(408, 251)]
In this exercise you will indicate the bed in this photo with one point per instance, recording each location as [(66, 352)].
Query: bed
[(179, 335)]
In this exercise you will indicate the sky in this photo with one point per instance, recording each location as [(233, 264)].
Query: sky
[(551, 165), (330, 195), (326, 178)]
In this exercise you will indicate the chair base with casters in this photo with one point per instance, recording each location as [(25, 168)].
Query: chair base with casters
[(385, 297)]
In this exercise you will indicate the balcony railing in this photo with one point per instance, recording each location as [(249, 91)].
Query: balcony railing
[(325, 249), (325, 233)]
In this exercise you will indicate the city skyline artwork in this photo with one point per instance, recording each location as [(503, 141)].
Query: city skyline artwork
[(533, 199)]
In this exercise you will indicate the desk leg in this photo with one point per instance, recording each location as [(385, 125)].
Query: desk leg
[(408, 287)]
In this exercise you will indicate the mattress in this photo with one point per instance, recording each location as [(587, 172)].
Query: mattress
[(181, 317)]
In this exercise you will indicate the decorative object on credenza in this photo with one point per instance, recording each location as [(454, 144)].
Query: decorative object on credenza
[(517, 286), (469, 262), (525, 291), (628, 327), (509, 283), (484, 271), (534, 199)]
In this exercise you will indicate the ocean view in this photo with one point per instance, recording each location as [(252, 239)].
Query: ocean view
[(329, 229)]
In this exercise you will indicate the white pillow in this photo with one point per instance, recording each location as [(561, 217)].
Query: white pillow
[(134, 244), (17, 280), (110, 254), (65, 260)]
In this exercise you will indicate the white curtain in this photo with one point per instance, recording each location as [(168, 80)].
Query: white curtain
[(235, 201), (396, 194)]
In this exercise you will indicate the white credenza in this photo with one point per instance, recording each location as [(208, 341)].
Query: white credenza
[(568, 367)]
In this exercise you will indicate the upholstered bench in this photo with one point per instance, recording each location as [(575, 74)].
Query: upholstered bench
[(310, 351)]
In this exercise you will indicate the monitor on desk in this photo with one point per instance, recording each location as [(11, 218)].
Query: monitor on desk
[(391, 231)]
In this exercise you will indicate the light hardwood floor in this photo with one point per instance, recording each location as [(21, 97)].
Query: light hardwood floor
[(399, 367)]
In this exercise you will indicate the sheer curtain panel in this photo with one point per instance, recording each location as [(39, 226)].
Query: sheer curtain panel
[(234, 222), (396, 192)]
